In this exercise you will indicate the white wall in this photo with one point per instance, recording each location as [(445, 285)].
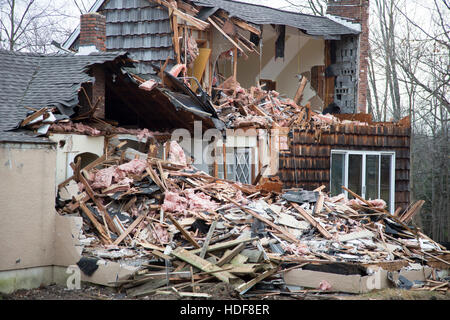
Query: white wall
[(69, 146), (302, 52)]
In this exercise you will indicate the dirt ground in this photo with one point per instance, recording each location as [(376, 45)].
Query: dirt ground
[(218, 291)]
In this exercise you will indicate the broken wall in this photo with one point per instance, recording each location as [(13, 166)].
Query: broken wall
[(307, 164), (71, 145), (27, 205), (301, 54)]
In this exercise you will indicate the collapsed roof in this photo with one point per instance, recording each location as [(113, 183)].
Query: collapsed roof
[(33, 81), (143, 29), (37, 80)]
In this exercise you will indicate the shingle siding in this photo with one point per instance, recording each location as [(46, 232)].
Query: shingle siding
[(142, 28)]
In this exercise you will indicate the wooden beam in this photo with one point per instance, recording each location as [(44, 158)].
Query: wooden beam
[(208, 239), (176, 42), (244, 25), (202, 264), (312, 221), (129, 229), (103, 236), (266, 221), (235, 57), (227, 256), (109, 223), (408, 215), (202, 25), (32, 117), (225, 245), (86, 168), (224, 34), (319, 204), (301, 88), (243, 288), (183, 231)]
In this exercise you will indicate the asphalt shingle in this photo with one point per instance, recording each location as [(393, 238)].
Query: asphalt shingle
[(36, 81), (258, 14)]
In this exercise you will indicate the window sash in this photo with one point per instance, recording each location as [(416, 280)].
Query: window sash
[(346, 153)]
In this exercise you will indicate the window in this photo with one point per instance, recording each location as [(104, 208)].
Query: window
[(370, 174), (238, 164)]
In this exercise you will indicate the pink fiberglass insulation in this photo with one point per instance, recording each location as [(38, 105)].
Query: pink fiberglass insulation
[(82, 128), (173, 202), (104, 178), (160, 233), (325, 118), (118, 174), (324, 285), (238, 197), (148, 85), (377, 203), (135, 166), (199, 200), (177, 69), (176, 154), (71, 127), (297, 249)]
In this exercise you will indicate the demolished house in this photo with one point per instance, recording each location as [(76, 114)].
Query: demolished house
[(302, 189)]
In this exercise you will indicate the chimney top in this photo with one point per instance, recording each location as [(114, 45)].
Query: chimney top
[(92, 33)]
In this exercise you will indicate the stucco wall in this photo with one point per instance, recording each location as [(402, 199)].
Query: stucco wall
[(27, 198), (69, 146)]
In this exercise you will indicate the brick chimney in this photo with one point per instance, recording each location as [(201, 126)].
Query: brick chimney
[(93, 31), (356, 11), (93, 39)]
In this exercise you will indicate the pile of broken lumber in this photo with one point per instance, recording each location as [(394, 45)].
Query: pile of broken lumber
[(239, 108), (183, 227)]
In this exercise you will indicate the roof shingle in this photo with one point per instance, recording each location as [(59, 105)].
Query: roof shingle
[(36, 80)]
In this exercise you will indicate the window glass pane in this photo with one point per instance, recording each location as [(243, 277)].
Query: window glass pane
[(230, 164), (372, 170), (337, 173), (386, 179), (355, 173), (242, 168)]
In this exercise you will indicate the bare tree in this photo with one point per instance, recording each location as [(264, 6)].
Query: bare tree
[(31, 25), (409, 66), (316, 7)]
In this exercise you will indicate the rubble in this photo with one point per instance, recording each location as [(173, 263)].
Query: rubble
[(182, 226)]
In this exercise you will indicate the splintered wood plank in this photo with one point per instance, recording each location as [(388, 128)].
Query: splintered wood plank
[(208, 239), (183, 231), (225, 245), (407, 216), (147, 287), (32, 117), (154, 176), (103, 236), (86, 168), (312, 221), (224, 34), (319, 204), (105, 215), (266, 221), (230, 254), (203, 264), (129, 229), (243, 288), (300, 89)]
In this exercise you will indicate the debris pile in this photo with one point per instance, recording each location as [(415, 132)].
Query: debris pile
[(183, 227), (239, 107)]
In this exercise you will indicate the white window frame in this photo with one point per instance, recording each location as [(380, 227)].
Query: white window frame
[(364, 153)]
